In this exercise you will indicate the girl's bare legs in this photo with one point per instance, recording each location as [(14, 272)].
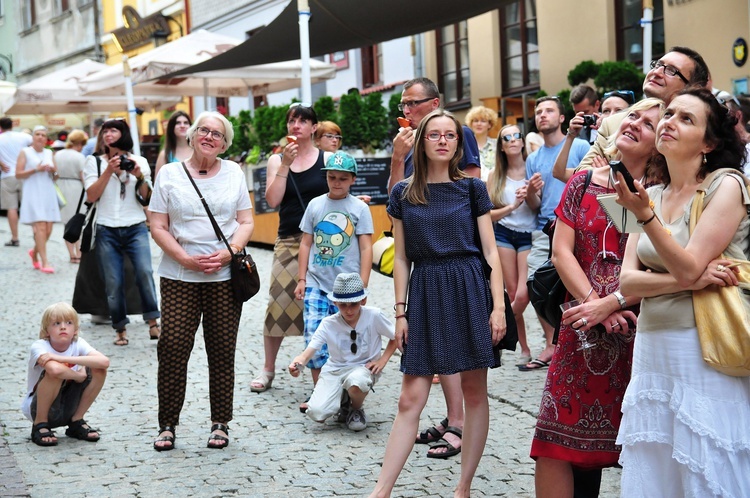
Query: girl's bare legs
[(414, 393), (553, 478), (515, 284), (476, 426), (42, 232)]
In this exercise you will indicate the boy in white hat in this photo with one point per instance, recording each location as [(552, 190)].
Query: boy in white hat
[(337, 238), (353, 336)]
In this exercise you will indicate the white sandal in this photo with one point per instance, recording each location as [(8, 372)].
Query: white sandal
[(264, 380)]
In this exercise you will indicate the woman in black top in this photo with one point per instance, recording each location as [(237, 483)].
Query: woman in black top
[(293, 179)]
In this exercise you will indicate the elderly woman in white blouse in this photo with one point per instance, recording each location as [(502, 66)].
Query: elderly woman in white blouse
[(194, 273)]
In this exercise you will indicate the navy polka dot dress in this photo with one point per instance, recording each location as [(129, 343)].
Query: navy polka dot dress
[(449, 301)]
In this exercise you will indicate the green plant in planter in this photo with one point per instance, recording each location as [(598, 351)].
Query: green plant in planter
[(351, 120), (376, 117), (269, 125), (619, 75), (243, 134), (325, 109)]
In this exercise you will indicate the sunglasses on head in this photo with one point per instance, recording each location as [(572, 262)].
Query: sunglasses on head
[(512, 136), (626, 95), (299, 104)]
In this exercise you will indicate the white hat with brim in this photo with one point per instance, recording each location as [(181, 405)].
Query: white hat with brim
[(348, 288)]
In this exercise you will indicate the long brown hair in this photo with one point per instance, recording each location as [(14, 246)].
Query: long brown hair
[(416, 188), (499, 175)]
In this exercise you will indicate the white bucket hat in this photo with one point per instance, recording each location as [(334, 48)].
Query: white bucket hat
[(348, 288)]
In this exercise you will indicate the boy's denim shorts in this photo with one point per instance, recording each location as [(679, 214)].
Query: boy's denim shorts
[(511, 239)]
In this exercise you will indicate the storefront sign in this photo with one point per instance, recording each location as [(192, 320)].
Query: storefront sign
[(138, 31), (739, 52)]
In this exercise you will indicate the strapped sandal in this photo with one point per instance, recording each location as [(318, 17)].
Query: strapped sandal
[(37, 436), (154, 337), (121, 339), (262, 382), (83, 431), (223, 440), (442, 443), (168, 439), (432, 434), (12, 243)]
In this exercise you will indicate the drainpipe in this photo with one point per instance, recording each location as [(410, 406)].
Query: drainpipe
[(98, 53)]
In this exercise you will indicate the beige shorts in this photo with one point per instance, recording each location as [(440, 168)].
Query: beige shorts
[(10, 192)]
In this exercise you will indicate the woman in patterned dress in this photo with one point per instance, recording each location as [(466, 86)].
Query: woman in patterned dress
[(438, 332), (580, 409)]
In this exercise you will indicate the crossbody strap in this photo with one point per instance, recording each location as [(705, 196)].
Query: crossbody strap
[(218, 231)]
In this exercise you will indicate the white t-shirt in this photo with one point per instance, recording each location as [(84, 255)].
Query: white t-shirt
[(521, 219), (335, 225), (746, 166), (11, 144), (77, 348), (335, 332), (174, 195), (112, 210)]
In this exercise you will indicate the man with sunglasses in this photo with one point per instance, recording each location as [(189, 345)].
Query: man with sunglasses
[(543, 195), (419, 98), (675, 70)]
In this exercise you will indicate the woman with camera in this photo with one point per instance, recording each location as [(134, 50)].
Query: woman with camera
[(121, 185), (580, 409)]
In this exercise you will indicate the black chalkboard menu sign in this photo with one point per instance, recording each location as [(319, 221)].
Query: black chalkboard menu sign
[(372, 180)]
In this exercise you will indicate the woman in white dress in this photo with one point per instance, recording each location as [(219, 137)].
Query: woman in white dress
[(70, 163), (684, 431), (39, 209)]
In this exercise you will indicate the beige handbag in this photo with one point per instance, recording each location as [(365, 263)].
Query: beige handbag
[(722, 314)]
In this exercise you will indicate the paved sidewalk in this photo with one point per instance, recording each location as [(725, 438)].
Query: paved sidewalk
[(274, 451)]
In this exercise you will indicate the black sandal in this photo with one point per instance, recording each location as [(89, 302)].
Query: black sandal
[(432, 434), (81, 430), (443, 443), (168, 439), (224, 441), (37, 436), (121, 339), (154, 337)]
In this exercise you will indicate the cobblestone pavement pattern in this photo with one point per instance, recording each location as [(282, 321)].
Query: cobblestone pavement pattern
[(275, 451)]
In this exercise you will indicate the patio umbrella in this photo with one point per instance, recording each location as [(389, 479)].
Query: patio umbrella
[(58, 92), (151, 72)]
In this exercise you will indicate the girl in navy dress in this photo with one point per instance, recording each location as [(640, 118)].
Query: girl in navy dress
[(450, 324)]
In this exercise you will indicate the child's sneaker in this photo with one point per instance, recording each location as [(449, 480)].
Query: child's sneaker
[(356, 421), (344, 408)]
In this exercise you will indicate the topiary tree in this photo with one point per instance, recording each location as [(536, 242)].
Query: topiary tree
[(325, 109), (583, 72), (376, 118), (353, 127), (269, 125), (393, 113), (619, 75), (243, 134)]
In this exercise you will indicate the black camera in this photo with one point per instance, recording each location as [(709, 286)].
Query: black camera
[(126, 164), (589, 120)]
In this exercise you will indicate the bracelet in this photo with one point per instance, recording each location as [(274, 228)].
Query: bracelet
[(281, 176), (400, 316), (302, 279), (394, 306), (236, 248), (644, 223), (587, 295)]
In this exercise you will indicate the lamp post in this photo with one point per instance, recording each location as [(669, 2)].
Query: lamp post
[(303, 8), (132, 113)]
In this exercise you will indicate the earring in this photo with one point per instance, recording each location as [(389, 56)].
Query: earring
[(704, 159)]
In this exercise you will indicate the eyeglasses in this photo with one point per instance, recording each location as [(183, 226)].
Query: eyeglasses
[(331, 136), (729, 101), (512, 136), (626, 95), (669, 70), (216, 135), (411, 104), (353, 335), (435, 136)]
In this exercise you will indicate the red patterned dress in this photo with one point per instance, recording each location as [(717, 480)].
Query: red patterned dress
[(580, 410)]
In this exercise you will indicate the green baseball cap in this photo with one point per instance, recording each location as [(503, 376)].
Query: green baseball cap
[(341, 161)]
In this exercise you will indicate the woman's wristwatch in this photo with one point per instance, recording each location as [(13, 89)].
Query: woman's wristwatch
[(620, 299)]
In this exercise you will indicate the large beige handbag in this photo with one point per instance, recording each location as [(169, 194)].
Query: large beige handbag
[(722, 314)]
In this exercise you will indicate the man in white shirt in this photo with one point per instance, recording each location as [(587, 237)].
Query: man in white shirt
[(11, 144)]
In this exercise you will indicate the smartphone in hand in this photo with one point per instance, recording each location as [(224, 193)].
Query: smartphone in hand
[(617, 166)]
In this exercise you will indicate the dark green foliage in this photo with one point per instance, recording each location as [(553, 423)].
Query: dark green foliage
[(243, 134), (353, 126), (375, 117), (325, 109), (269, 124), (619, 75), (583, 72), (393, 113)]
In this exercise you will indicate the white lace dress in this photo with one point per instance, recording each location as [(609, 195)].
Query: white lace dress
[(685, 430)]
